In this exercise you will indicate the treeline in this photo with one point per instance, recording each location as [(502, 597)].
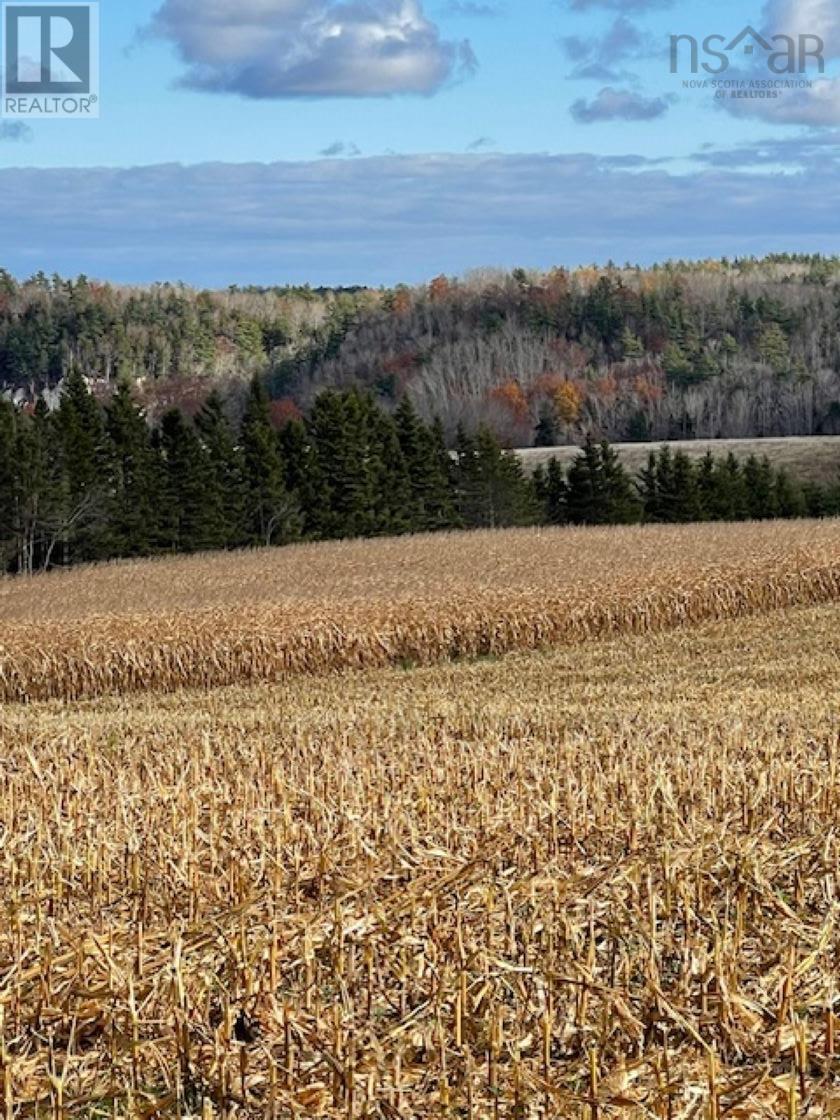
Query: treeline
[(166, 333), (665, 354), (89, 482), (673, 489), (712, 349), (86, 482)]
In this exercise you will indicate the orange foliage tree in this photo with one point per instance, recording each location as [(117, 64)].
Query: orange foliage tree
[(511, 394), (568, 400)]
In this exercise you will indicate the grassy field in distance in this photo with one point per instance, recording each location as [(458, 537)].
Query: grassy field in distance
[(807, 458)]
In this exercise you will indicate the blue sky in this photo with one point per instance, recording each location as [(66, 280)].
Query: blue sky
[(376, 140)]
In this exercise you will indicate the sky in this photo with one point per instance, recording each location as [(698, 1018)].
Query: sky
[(379, 141)]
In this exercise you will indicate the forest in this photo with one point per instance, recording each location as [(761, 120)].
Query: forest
[(713, 349), (87, 481)]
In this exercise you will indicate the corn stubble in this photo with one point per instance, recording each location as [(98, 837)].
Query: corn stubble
[(596, 883), (213, 621), (600, 882)]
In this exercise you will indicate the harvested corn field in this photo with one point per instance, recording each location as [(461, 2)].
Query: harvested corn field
[(251, 617), (598, 882)]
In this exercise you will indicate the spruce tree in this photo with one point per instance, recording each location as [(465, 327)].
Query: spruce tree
[(395, 509), (586, 497), (8, 429), (687, 506), (191, 523), (135, 501), (789, 499), (81, 452), (666, 486), (346, 465), (226, 486), (429, 470), (551, 490), (648, 487), (600, 492), (759, 484), (707, 487), (493, 489), (622, 504), (546, 433), (272, 515)]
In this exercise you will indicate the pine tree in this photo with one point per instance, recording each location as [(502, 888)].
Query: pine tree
[(631, 345)]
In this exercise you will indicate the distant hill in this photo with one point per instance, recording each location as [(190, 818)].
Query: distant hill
[(703, 350)]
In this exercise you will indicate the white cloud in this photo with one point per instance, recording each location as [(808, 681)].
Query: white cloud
[(398, 218), (311, 48), (619, 105), (805, 17), (817, 106)]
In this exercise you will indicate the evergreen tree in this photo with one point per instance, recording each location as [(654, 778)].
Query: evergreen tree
[(429, 470), (788, 497), (345, 474), (493, 491), (81, 452), (394, 496), (8, 435), (225, 484), (271, 513), (134, 498), (600, 492), (622, 504), (586, 496), (759, 484), (707, 487), (648, 486), (551, 489), (687, 505), (192, 514), (546, 433), (729, 499)]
